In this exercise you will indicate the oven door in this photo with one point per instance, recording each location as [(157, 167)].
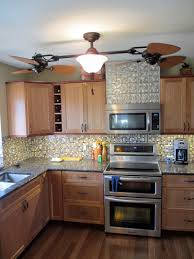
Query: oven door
[(133, 216), (132, 186), (124, 121)]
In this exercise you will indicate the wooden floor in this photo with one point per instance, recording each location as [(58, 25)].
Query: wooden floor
[(74, 241)]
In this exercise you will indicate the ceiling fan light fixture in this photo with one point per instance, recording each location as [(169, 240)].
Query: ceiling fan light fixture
[(92, 63)]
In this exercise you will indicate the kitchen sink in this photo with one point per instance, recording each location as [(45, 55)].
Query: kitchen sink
[(8, 179)]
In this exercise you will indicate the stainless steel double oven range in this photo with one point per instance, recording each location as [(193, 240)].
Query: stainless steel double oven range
[(132, 189)]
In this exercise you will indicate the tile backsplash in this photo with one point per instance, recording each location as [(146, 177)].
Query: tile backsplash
[(18, 149), (132, 82)]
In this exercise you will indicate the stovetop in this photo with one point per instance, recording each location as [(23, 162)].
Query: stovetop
[(140, 169)]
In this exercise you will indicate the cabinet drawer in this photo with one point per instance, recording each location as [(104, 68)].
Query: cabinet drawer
[(92, 193), (176, 219), (83, 213), (178, 181), (178, 198), (19, 194), (69, 177)]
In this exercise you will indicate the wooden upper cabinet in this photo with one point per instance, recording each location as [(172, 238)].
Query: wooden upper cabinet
[(72, 107), (96, 98), (83, 107), (40, 108), (30, 109), (177, 105)]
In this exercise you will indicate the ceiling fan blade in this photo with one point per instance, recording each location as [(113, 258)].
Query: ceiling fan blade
[(63, 69), (162, 48), (23, 71), (171, 61), (25, 60)]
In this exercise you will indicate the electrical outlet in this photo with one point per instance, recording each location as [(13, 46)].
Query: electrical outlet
[(84, 147)]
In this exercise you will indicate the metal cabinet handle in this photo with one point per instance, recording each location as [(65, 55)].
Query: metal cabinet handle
[(85, 127), (83, 177), (184, 126), (25, 205), (188, 220), (82, 127), (83, 193), (188, 126), (188, 198)]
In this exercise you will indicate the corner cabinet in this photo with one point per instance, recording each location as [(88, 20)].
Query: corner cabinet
[(30, 108), (177, 105), (83, 107), (23, 214)]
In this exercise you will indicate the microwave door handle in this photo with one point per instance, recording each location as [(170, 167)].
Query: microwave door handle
[(148, 122)]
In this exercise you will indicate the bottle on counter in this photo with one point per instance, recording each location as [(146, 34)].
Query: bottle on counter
[(104, 151)]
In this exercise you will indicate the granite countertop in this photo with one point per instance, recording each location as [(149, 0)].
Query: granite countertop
[(177, 169), (36, 166)]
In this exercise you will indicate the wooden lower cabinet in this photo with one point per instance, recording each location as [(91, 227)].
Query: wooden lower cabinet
[(83, 197), (83, 212), (68, 196), (178, 219), (55, 195), (178, 202), (12, 236), (21, 217)]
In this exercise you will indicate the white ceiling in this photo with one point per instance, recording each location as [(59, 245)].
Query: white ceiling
[(56, 26)]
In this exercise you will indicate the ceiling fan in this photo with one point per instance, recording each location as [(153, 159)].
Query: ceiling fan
[(92, 60)]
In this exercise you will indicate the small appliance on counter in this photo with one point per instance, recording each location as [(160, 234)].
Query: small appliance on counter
[(181, 151)]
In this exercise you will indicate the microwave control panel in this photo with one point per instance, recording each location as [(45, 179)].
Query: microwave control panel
[(155, 121)]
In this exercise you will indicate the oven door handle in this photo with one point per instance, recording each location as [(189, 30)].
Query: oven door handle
[(150, 201), (139, 179), (135, 178)]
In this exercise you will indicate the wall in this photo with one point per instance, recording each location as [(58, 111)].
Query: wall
[(175, 70), (54, 77), (121, 80)]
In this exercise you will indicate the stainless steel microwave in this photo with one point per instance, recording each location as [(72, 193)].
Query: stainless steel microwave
[(133, 118)]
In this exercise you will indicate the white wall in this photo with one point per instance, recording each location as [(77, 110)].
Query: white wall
[(54, 77)]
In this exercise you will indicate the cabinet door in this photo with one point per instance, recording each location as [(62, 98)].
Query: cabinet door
[(72, 107), (33, 215), (45, 209), (55, 193), (173, 105), (190, 105), (16, 109), (12, 240), (40, 110), (95, 111)]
